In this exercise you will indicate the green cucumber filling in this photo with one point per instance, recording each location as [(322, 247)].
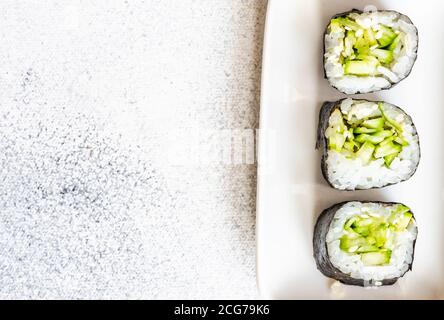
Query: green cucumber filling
[(364, 50), (368, 139), (372, 236)]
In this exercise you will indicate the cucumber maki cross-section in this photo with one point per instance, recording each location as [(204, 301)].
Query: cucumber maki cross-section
[(366, 144), (368, 52), (365, 243)]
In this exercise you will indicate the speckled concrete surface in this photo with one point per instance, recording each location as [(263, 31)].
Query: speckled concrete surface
[(92, 93)]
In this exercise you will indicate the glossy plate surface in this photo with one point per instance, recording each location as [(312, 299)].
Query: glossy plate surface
[(291, 190)]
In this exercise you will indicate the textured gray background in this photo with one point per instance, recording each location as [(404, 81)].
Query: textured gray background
[(94, 96)]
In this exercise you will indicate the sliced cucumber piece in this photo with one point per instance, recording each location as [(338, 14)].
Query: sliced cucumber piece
[(361, 130), (365, 152), (360, 68), (401, 209), (376, 258), (367, 248), (349, 43), (348, 23), (388, 120), (336, 141), (350, 134), (395, 44), (394, 125), (379, 232), (364, 222), (403, 221), (377, 123), (367, 57), (400, 218), (375, 138), (363, 231), (383, 134), (336, 26), (389, 159), (349, 223), (390, 242), (371, 240), (401, 141), (362, 47), (385, 36), (336, 121), (387, 141), (351, 146), (384, 56), (369, 36), (362, 138), (347, 243), (387, 149)]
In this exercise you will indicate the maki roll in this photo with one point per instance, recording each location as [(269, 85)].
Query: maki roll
[(368, 52), (366, 144), (365, 243)]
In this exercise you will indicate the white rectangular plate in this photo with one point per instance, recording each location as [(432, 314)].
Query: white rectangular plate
[(291, 190)]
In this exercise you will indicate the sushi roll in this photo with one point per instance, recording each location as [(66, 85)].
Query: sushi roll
[(365, 243), (366, 144), (368, 52)]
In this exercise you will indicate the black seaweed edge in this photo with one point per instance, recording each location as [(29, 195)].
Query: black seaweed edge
[(344, 14), (320, 250), (321, 143)]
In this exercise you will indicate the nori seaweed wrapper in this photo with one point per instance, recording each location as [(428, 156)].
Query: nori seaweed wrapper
[(322, 144), (344, 14), (320, 251)]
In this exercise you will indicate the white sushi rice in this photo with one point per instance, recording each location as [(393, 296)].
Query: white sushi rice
[(351, 264), (399, 69), (351, 174)]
